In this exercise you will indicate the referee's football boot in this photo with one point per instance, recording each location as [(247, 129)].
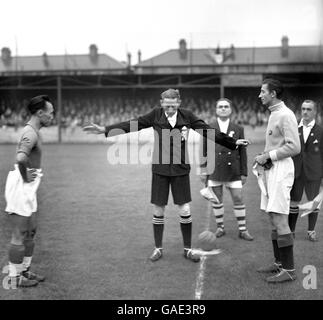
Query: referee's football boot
[(312, 236), (33, 276), (282, 276), (190, 255), (21, 282), (245, 235), (156, 255), (273, 268)]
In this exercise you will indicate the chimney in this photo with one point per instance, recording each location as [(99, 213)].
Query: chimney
[(93, 53), (182, 49), (218, 56), (284, 47), (45, 59), (232, 52), (139, 56), (129, 59), (6, 55)]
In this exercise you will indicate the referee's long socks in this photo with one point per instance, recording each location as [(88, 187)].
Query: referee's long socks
[(274, 237), (292, 217), (158, 228), (186, 228), (312, 218), (285, 245), (16, 256)]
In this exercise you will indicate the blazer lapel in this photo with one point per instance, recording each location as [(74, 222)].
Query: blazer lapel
[(231, 128), (163, 119), (311, 136), (301, 136), (180, 121)]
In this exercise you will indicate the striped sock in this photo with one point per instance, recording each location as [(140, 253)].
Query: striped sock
[(312, 218), (186, 228), (292, 217), (158, 228), (240, 214), (218, 212)]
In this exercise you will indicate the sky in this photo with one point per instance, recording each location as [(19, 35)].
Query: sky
[(154, 26)]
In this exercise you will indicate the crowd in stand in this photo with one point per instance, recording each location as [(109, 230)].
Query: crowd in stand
[(78, 111)]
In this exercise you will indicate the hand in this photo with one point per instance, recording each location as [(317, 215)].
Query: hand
[(94, 128), (262, 158), (243, 180), (242, 142), (31, 175)]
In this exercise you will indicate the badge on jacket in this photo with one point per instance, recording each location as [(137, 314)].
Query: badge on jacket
[(231, 133), (184, 133)]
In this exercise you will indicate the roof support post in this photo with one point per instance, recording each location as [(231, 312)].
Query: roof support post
[(59, 107)]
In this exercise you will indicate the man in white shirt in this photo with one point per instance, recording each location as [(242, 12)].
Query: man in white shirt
[(308, 166)]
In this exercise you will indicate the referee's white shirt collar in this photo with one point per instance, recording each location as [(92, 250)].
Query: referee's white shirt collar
[(172, 120)]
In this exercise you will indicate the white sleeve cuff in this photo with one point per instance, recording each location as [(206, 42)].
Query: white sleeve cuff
[(273, 155)]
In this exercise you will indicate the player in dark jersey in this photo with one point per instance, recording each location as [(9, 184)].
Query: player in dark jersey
[(21, 194)]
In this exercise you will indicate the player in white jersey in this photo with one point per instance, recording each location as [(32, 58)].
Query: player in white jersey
[(282, 143)]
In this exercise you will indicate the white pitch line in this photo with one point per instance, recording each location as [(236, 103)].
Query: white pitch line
[(200, 279), (201, 271)]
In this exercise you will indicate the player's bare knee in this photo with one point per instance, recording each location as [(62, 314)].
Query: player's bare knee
[(237, 200), (18, 236), (294, 203), (184, 209), (31, 234), (236, 195), (159, 211), (281, 223)]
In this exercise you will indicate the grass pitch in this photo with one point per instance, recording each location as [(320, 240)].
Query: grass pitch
[(95, 236)]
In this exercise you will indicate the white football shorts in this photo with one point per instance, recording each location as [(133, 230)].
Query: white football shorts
[(21, 197), (279, 181), (228, 184)]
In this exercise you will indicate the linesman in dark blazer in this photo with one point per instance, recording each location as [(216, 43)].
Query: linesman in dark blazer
[(230, 170), (170, 168), (308, 166)]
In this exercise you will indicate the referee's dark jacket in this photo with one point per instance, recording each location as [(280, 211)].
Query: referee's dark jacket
[(167, 159), (229, 165), (310, 159)]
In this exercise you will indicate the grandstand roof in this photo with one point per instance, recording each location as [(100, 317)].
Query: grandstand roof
[(49, 63), (242, 56)]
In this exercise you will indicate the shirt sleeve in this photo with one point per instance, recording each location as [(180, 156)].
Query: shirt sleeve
[(133, 125), (27, 142), (292, 145)]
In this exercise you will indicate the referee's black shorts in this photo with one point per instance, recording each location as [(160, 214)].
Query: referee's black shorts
[(312, 189), (180, 186)]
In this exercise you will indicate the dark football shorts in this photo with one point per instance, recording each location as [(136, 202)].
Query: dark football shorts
[(312, 189), (180, 186)]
